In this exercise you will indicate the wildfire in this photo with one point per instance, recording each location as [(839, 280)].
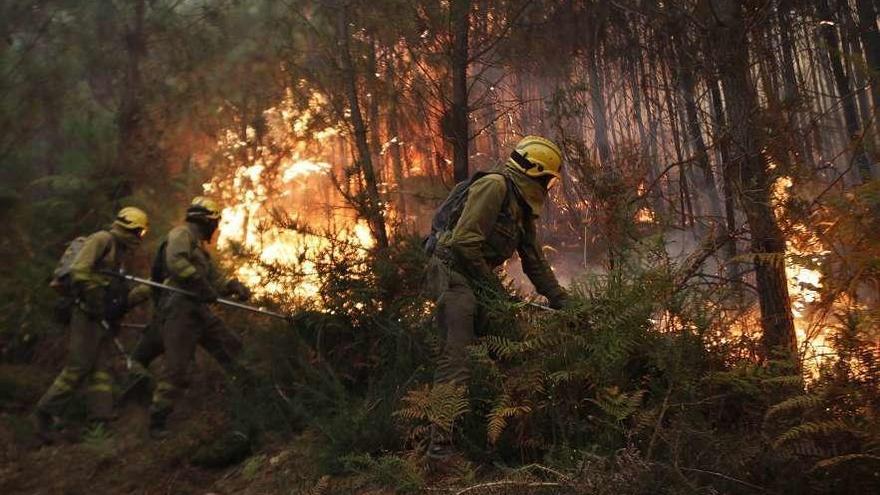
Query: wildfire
[(285, 259), (804, 283), (281, 258)]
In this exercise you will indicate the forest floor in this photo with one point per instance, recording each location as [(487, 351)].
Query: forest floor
[(124, 460)]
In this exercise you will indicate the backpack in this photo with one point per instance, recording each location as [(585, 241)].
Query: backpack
[(61, 275), (450, 210), (61, 282)]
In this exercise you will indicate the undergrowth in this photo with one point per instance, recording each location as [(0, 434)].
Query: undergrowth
[(600, 397)]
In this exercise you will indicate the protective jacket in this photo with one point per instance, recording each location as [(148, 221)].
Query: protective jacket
[(104, 251), (187, 261), (491, 228)]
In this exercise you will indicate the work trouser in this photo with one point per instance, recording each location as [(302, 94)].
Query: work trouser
[(183, 324), (88, 361), (148, 348), (456, 313)]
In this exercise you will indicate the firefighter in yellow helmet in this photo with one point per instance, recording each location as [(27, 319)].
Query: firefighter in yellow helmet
[(98, 302), (495, 219), (183, 322)]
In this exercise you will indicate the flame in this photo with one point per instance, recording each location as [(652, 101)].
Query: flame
[(804, 283), (645, 215), (246, 222), (283, 261)]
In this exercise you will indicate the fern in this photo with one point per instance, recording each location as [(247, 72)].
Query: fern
[(800, 402), (840, 459), (811, 429), (619, 405), (502, 411), (439, 405), (785, 381)]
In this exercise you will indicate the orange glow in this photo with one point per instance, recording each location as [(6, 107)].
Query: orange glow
[(282, 257), (804, 284)]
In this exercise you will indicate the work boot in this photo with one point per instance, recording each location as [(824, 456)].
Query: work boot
[(43, 423), (139, 387), (158, 428)]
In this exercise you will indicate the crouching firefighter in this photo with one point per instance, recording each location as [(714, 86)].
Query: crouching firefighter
[(483, 221), (184, 322), (96, 304)]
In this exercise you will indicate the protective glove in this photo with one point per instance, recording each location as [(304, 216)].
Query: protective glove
[(239, 289), (138, 295), (115, 309), (92, 302), (204, 291)]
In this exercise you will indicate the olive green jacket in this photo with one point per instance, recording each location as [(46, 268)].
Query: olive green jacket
[(488, 232), (104, 251), (187, 259)]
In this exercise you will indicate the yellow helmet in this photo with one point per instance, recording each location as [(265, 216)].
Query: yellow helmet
[(134, 219), (536, 157), (203, 208)]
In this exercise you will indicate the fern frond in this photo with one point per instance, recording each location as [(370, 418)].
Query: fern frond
[(833, 461), (439, 405), (501, 412), (800, 402), (785, 380), (807, 430)]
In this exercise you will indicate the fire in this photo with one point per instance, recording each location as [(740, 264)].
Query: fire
[(645, 215), (291, 254), (281, 261), (804, 283)]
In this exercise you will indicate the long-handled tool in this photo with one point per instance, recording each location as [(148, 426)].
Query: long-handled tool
[(118, 344), (225, 302), (539, 306)]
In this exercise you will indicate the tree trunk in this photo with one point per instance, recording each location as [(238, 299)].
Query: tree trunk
[(706, 181), (373, 206), (597, 101), (459, 11), (733, 270), (135, 149), (844, 90), (791, 97), (375, 126), (751, 179), (871, 41), (393, 123)]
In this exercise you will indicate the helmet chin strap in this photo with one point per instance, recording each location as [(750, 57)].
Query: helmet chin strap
[(521, 161)]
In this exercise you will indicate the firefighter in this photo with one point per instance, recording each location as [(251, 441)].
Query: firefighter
[(98, 302), (497, 218), (183, 322)]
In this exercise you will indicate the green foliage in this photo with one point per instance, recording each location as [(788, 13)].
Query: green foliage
[(388, 471), (99, 441), (433, 406), (228, 449)]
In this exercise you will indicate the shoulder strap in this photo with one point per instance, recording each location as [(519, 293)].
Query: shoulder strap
[(107, 249)]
